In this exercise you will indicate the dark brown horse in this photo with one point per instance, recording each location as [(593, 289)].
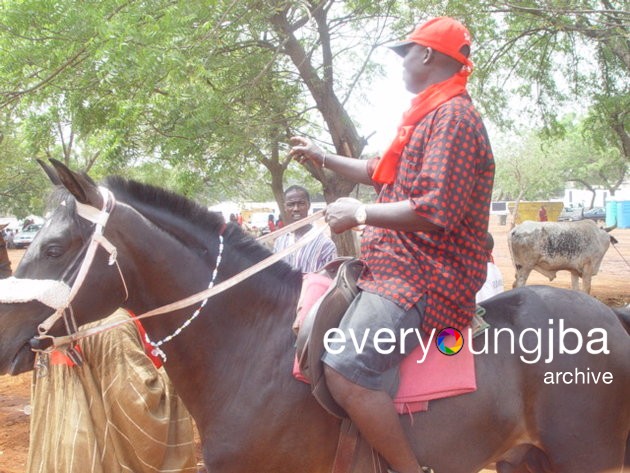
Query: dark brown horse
[(232, 365)]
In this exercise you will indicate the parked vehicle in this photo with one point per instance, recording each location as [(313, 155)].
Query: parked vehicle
[(25, 237), (571, 214), (596, 213)]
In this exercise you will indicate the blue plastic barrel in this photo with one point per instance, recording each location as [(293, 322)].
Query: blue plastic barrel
[(623, 214), (611, 213)]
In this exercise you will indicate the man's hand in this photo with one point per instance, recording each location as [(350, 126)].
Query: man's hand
[(304, 150), (340, 215)]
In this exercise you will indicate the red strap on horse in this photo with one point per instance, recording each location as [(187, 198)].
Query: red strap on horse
[(58, 357), (148, 349)]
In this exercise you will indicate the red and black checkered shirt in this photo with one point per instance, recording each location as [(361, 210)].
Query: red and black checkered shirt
[(446, 172)]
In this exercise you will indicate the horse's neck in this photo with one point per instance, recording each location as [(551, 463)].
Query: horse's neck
[(230, 355), (243, 333), (157, 269)]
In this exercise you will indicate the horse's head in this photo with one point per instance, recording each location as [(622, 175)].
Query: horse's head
[(44, 278), (141, 250)]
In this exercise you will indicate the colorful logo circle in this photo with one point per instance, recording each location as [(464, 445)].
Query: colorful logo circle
[(450, 341)]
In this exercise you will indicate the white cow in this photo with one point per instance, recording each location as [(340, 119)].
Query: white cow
[(548, 247)]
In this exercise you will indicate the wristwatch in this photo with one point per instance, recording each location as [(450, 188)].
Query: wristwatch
[(360, 214)]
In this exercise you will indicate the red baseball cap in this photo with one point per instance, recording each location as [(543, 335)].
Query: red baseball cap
[(444, 34)]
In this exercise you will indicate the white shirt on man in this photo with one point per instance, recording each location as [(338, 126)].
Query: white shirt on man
[(493, 284)]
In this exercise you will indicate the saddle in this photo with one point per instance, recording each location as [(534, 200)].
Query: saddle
[(323, 315), (340, 276)]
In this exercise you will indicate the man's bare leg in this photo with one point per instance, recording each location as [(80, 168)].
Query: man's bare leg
[(376, 418)]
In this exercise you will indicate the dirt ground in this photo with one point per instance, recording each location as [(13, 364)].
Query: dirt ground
[(611, 285)]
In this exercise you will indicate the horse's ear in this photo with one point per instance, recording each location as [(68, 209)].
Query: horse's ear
[(80, 185), (50, 172)]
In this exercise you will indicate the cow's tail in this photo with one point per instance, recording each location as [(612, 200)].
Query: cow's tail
[(624, 316)]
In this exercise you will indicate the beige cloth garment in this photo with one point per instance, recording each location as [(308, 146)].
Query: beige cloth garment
[(115, 413)]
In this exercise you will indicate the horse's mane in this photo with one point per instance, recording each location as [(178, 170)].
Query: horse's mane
[(142, 195), (194, 226)]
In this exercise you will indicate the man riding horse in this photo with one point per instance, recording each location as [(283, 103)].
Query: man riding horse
[(424, 240)]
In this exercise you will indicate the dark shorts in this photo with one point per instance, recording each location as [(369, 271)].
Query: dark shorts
[(362, 358)]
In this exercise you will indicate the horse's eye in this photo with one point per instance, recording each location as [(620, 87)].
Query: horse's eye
[(54, 251)]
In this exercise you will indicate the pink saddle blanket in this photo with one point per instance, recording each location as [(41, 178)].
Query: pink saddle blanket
[(437, 376)]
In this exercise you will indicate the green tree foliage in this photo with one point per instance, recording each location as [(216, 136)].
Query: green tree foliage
[(151, 79), (555, 53), (538, 167), (525, 171), (18, 179), (582, 158), (210, 91), (203, 95)]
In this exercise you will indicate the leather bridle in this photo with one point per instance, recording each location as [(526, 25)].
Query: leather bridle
[(99, 218)]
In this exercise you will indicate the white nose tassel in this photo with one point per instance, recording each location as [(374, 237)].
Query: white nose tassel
[(54, 294)]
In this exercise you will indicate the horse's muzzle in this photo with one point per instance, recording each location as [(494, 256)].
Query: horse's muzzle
[(40, 344)]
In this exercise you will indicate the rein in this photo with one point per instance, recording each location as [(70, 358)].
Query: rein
[(211, 291)]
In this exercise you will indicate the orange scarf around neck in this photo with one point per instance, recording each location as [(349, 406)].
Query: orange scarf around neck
[(421, 105)]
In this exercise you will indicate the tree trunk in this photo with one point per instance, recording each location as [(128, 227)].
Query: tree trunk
[(276, 169), (344, 134)]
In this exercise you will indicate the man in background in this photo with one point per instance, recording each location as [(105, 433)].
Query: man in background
[(315, 254), (542, 214), (494, 279)]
